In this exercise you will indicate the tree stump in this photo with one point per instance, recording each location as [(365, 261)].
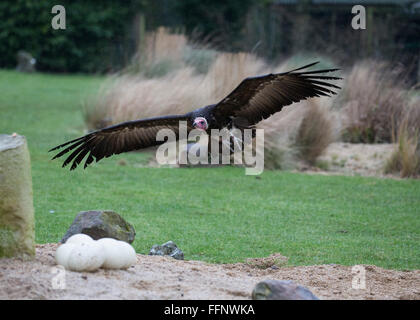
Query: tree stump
[(17, 225)]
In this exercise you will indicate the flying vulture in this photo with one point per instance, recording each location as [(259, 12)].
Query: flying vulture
[(253, 100)]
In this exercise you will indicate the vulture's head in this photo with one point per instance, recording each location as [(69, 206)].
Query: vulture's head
[(200, 123)]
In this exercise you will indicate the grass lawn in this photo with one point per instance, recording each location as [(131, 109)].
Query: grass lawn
[(217, 214)]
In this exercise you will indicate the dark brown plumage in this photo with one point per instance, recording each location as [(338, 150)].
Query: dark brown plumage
[(123, 137), (257, 98), (254, 99)]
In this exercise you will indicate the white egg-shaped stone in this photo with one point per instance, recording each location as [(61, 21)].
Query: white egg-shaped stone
[(86, 256), (115, 253), (62, 253), (79, 238), (130, 257)]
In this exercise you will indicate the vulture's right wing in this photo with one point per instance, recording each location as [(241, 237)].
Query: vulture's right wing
[(123, 137)]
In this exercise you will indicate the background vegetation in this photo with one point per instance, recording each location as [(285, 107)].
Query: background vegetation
[(95, 33), (102, 36)]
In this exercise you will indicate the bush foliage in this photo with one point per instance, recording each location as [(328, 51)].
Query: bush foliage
[(91, 41), (374, 101), (406, 158), (102, 35)]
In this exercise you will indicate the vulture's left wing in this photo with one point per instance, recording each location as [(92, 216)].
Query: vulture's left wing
[(257, 98), (123, 137)]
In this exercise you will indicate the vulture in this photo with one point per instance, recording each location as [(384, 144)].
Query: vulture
[(253, 100)]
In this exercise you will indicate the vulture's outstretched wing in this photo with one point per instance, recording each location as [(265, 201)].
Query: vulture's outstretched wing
[(257, 98), (123, 137)]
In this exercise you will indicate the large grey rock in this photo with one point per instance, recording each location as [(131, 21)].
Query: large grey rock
[(17, 227), (167, 249), (281, 290), (101, 224)]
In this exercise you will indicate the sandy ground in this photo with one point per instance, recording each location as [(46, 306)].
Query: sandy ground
[(357, 158), (155, 277)]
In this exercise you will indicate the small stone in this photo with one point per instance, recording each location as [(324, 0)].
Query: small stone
[(281, 290), (167, 249), (101, 224), (26, 62)]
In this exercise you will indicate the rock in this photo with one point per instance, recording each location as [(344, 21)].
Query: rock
[(26, 63), (17, 227), (167, 249), (281, 290), (101, 224)]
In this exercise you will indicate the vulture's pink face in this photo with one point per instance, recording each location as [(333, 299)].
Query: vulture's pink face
[(200, 123)]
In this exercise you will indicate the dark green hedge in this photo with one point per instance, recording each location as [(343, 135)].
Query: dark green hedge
[(93, 41)]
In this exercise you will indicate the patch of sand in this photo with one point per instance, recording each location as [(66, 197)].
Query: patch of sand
[(156, 277), (357, 158)]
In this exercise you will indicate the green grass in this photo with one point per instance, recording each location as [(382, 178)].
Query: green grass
[(217, 214)]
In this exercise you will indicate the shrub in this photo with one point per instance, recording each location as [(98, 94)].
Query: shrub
[(373, 100), (91, 41), (315, 132), (299, 132), (406, 158)]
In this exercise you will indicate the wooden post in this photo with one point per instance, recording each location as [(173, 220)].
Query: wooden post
[(17, 232)]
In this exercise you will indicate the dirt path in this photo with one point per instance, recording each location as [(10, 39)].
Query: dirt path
[(155, 277)]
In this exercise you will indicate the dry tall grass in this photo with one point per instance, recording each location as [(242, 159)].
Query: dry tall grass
[(315, 132), (229, 70), (406, 158), (301, 131), (373, 101), (163, 45), (378, 108), (128, 97), (163, 52), (160, 53)]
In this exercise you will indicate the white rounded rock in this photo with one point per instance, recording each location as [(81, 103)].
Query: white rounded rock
[(118, 254), (130, 254), (86, 256), (79, 238), (62, 254)]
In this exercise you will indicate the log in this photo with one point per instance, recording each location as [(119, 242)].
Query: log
[(17, 224)]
